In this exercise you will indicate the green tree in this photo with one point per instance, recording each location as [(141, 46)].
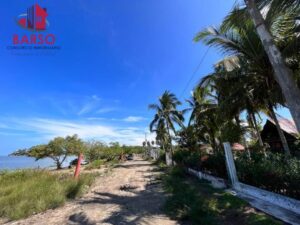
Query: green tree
[(247, 61), (165, 118), (282, 73), (57, 149), (94, 150)]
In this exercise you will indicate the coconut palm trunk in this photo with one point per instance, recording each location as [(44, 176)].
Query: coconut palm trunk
[(238, 122), (171, 147), (253, 120), (279, 130), (282, 73)]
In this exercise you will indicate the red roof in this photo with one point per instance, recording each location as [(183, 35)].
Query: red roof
[(286, 125), (237, 147)]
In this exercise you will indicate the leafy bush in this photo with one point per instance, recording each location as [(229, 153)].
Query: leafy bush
[(133, 149), (191, 159), (95, 164), (27, 192), (96, 150), (198, 203), (215, 164), (273, 173), (212, 164)]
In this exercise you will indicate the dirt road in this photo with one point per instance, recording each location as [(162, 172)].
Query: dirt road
[(128, 195)]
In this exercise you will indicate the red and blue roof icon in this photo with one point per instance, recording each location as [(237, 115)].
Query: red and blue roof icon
[(34, 19)]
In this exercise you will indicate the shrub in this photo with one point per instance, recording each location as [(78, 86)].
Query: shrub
[(198, 203), (187, 158), (96, 150), (95, 164), (27, 192), (212, 164), (273, 173), (215, 164)]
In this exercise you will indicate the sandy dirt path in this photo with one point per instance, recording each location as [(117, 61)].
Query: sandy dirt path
[(129, 194)]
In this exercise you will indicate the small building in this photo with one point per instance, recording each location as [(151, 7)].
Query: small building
[(270, 135)]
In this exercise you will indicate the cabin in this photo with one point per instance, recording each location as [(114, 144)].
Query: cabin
[(270, 135)]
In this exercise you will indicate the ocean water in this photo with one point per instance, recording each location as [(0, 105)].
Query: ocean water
[(23, 162)]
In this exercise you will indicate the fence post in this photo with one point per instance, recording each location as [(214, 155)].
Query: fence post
[(77, 170), (168, 158), (231, 166)]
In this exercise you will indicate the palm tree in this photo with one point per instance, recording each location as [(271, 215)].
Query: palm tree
[(204, 116), (161, 135), (282, 73), (248, 61), (166, 117), (233, 96)]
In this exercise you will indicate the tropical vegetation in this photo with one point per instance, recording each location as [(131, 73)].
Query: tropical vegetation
[(227, 104), (60, 148), (57, 149), (165, 118), (196, 202)]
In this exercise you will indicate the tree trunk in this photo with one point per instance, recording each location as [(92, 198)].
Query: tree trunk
[(238, 122), (164, 150), (257, 130), (280, 132), (171, 147), (282, 73), (213, 141), (58, 165)]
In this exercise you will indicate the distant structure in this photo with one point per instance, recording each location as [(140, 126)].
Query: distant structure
[(270, 135)]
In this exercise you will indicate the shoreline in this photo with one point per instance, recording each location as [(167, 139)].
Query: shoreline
[(13, 163)]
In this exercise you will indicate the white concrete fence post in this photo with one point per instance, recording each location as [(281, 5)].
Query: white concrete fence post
[(231, 166), (168, 158)]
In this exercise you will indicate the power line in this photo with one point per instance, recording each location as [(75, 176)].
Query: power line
[(202, 59), (195, 71)]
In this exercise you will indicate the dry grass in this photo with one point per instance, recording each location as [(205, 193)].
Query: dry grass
[(27, 192)]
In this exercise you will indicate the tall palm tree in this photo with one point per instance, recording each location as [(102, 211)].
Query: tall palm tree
[(233, 95), (212, 123), (282, 73), (248, 59), (161, 135), (199, 102), (166, 117)]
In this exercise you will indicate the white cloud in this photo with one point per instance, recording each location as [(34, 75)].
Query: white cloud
[(90, 105), (85, 109), (45, 129), (105, 110), (133, 119)]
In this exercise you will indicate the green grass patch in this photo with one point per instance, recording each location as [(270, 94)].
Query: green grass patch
[(97, 164), (26, 192), (197, 202)]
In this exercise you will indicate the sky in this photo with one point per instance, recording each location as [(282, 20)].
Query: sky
[(115, 58)]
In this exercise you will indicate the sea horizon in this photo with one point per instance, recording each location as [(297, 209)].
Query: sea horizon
[(24, 162)]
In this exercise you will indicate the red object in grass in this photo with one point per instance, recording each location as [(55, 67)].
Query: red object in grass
[(204, 158), (77, 170)]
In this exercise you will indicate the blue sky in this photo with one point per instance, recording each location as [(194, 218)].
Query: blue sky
[(116, 57)]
